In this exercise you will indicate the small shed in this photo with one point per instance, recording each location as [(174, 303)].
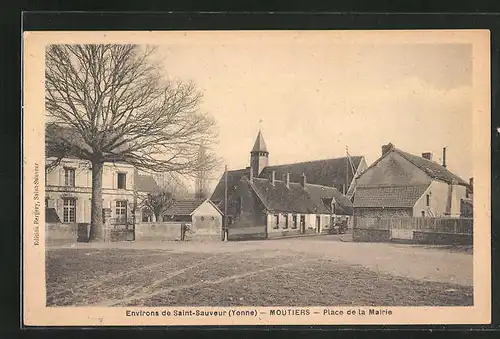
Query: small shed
[(203, 216)]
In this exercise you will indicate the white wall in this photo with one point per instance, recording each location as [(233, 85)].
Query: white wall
[(439, 192)]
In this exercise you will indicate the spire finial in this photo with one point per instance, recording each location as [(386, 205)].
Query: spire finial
[(260, 124)]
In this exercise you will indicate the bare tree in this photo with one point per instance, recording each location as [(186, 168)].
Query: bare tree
[(110, 103), (157, 203), (172, 183)]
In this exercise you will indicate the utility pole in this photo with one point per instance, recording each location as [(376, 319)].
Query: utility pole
[(225, 205)]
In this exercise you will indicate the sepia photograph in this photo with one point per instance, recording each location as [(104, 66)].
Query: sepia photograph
[(258, 175)]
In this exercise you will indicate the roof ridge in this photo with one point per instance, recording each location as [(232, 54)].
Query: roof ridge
[(309, 161)]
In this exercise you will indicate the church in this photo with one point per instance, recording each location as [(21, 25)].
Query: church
[(267, 201)]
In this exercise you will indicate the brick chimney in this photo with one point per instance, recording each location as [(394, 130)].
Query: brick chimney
[(387, 148), (287, 180), (303, 180), (444, 157), (427, 155), (273, 178)]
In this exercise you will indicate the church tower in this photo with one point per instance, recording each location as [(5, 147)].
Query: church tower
[(259, 156)]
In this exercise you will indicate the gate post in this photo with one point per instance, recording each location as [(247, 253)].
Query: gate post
[(106, 220)]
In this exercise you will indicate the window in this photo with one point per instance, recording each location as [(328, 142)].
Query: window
[(294, 221), (286, 221), (69, 177), (276, 221), (122, 181), (302, 220), (229, 220), (423, 213), (202, 218), (69, 210), (428, 200), (318, 221), (121, 210)]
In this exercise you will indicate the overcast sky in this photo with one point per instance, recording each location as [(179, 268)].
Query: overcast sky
[(315, 96)]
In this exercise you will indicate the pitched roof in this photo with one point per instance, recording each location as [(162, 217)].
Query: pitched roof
[(58, 137), (327, 172), (432, 168), (233, 178), (297, 199), (146, 183), (388, 196), (260, 144), (183, 207)]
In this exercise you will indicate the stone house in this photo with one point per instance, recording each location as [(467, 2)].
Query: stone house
[(267, 208), (203, 217), (68, 186), (400, 184)]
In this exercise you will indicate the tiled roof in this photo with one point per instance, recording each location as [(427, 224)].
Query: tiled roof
[(328, 172), (298, 199), (183, 207), (432, 168), (146, 183), (388, 197), (260, 144)]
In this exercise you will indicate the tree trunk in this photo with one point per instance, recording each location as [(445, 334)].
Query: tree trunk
[(96, 222)]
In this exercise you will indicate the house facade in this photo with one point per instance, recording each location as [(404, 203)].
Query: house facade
[(335, 176), (69, 191), (400, 184)]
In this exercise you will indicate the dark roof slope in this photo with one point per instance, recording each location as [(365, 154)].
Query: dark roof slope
[(388, 197), (233, 178), (183, 207), (432, 168), (146, 183), (297, 199), (328, 172)]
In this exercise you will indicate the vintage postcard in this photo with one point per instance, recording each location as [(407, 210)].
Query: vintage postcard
[(256, 178)]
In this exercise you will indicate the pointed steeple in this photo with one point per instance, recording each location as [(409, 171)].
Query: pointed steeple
[(260, 144), (259, 156)]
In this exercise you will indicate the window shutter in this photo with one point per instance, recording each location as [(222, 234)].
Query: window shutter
[(61, 177)]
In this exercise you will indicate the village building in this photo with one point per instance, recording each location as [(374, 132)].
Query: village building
[(68, 189), (202, 217), (287, 199), (400, 184)]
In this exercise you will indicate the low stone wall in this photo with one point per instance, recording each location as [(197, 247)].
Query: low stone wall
[(158, 231), (60, 234), (370, 235), (442, 238), (247, 233), (419, 237)]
